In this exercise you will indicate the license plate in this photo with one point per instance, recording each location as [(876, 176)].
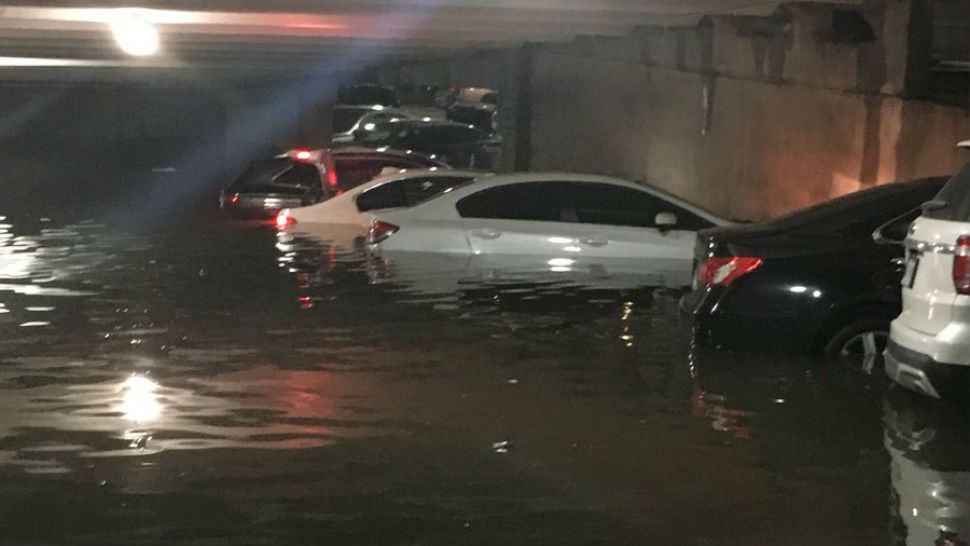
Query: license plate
[(912, 264)]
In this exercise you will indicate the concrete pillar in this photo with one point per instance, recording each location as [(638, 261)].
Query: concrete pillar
[(517, 110), (919, 42)]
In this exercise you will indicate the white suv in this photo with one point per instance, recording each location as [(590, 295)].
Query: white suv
[(929, 346)]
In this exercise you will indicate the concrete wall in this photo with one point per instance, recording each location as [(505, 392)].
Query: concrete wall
[(482, 70), (749, 117)]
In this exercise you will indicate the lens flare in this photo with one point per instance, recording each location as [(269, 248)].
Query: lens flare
[(135, 35)]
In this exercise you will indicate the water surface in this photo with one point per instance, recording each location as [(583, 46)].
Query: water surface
[(198, 381)]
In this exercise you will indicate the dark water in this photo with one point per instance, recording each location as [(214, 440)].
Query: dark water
[(197, 382)]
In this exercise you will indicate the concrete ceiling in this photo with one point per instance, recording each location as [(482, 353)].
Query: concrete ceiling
[(288, 34)]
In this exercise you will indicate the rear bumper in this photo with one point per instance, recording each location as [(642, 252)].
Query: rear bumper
[(950, 345), (259, 213), (724, 318), (919, 372)]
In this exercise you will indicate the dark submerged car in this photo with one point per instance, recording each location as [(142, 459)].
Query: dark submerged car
[(458, 145), (269, 185), (482, 116), (813, 282), (354, 166)]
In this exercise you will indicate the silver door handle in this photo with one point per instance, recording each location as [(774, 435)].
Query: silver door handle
[(898, 261), (594, 241), (486, 233)]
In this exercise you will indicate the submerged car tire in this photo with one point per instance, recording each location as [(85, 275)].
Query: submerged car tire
[(860, 344)]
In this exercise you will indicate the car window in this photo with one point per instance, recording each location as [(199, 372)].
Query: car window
[(539, 201), (490, 98), (301, 175), (607, 204), (385, 196), (953, 201), (418, 190)]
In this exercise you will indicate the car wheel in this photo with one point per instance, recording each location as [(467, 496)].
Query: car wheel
[(860, 344)]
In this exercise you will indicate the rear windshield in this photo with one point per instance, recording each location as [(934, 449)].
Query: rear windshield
[(277, 176), (953, 201)]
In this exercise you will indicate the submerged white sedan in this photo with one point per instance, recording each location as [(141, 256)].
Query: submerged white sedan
[(552, 222)]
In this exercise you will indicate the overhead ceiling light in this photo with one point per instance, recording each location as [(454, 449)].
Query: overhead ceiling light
[(135, 35)]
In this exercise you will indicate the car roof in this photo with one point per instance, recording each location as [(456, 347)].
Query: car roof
[(381, 152), (431, 122), (408, 174), (372, 107), (554, 176), (498, 180)]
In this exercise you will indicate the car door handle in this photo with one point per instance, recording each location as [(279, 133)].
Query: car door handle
[(485, 233), (594, 241)]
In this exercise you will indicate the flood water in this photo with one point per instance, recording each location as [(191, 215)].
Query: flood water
[(196, 381)]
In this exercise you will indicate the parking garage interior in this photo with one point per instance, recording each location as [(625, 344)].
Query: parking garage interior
[(170, 376)]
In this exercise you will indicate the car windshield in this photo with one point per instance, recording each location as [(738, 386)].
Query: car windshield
[(953, 201), (344, 119)]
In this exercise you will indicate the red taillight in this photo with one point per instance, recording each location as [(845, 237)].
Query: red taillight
[(234, 198), (331, 178), (381, 230), (284, 220), (726, 270), (961, 266)]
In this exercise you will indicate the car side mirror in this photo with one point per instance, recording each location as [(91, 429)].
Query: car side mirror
[(665, 221)]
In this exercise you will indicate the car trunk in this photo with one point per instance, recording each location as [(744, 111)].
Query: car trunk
[(271, 197)]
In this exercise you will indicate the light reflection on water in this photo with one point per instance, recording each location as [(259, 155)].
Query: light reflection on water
[(139, 401), (328, 384)]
